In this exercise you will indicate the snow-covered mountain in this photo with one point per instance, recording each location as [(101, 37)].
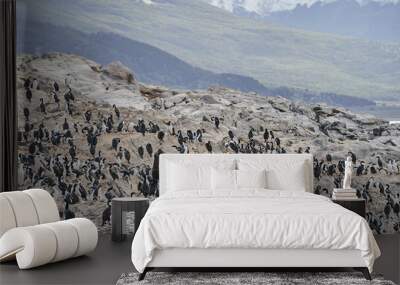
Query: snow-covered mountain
[(265, 7)]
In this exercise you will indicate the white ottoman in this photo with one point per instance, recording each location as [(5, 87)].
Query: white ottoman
[(31, 232)]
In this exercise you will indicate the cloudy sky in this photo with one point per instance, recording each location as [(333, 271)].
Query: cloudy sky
[(266, 6)]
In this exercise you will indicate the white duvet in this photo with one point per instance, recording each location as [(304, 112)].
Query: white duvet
[(250, 219)]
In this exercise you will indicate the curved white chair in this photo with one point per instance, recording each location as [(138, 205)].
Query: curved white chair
[(31, 231)]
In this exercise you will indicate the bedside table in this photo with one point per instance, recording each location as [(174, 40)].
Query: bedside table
[(120, 207), (357, 205)]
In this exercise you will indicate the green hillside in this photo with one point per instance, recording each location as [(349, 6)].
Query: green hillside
[(216, 40)]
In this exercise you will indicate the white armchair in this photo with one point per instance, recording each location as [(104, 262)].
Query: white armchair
[(31, 230)]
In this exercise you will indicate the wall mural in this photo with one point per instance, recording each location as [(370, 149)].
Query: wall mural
[(97, 108)]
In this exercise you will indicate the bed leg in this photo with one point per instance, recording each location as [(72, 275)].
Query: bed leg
[(365, 272), (143, 274)]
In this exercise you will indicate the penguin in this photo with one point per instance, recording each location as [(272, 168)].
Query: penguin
[(368, 184), (266, 135), (42, 106), (328, 157), (180, 137), (199, 135), (387, 189), (116, 110), (74, 198), (181, 148), (32, 148), (28, 94), (127, 155), (317, 169), (272, 134), (92, 149), (115, 142), (120, 154), (231, 135), (82, 191), (106, 215), (68, 214), (360, 169), (27, 83), (209, 147), (56, 87), (76, 127), (381, 188), (216, 122), (190, 135), (149, 149), (141, 151), (250, 134), (380, 163), (387, 210), (113, 173), (141, 127), (65, 124), (120, 126), (234, 147), (72, 151), (109, 126), (396, 209), (160, 136), (88, 116), (56, 99), (331, 169)]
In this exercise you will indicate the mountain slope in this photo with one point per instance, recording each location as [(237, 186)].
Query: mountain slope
[(154, 66), (216, 40), (151, 65), (371, 21)]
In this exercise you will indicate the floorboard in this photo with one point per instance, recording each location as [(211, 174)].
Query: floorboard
[(103, 266)]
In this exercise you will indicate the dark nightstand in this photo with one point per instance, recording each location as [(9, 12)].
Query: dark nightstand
[(120, 209), (357, 205)]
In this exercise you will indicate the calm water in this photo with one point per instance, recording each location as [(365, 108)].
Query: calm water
[(389, 113)]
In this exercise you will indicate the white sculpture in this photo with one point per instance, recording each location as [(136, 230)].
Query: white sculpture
[(348, 172)]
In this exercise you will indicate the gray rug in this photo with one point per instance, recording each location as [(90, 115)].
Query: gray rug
[(269, 278)]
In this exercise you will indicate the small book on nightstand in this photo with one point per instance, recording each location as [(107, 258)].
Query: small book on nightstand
[(344, 194)]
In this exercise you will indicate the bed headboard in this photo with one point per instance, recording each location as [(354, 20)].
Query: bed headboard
[(210, 159)]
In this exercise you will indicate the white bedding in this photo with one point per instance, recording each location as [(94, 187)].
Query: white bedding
[(252, 218)]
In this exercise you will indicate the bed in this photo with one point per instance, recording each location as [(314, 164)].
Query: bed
[(247, 210)]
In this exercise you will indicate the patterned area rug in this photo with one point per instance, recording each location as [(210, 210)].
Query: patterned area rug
[(269, 278)]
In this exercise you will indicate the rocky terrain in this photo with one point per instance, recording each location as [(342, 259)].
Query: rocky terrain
[(84, 151)]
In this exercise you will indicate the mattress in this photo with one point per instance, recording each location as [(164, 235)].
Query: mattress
[(250, 219)]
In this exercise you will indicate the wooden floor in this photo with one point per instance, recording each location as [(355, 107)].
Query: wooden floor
[(103, 266), (110, 260)]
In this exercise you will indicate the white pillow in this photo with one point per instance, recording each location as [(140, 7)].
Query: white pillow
[(183, 178), (223, 179), (281, 175), (194, 174), (251, 178), (288, 176)]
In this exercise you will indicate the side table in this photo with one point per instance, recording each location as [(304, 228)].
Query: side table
[(356, 205), (139, 205)]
